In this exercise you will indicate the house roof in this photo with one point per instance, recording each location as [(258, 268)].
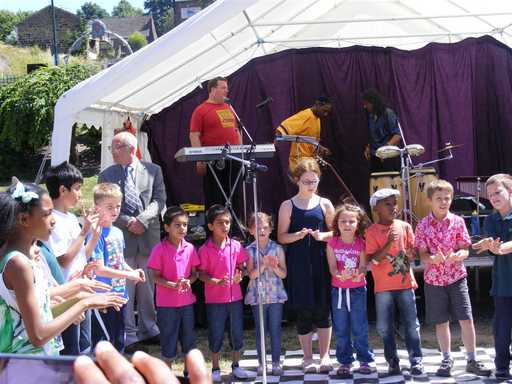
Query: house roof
[(125, 26), (58, 11)]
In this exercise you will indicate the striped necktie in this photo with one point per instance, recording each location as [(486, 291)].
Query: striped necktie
[(132, 202)]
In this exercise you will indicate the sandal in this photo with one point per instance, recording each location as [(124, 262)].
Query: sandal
[(364, 369), (325, 368), (344, 371), (308, 366)]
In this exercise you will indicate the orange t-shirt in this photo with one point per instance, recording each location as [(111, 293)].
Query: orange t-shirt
[(376, 238)]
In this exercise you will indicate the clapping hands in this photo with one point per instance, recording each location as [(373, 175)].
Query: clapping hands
[(489, 244)]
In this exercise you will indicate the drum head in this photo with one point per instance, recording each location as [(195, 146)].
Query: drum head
[(415, 149), (387, 152)]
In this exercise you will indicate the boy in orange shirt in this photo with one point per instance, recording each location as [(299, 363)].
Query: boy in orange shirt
[(390, 247)]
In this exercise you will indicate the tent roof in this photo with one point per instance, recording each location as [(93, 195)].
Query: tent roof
[(229, 33)]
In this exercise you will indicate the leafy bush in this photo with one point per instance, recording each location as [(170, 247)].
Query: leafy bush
[(27, 105), (137, 40)]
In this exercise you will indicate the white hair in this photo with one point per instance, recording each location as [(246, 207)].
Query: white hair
[(127, 138)]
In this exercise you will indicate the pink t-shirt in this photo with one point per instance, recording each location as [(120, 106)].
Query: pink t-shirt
[(449, 234), (347, 258), (173, 263), (219, 262)]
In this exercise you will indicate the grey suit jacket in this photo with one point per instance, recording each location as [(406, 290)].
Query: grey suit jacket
[(150, 186)]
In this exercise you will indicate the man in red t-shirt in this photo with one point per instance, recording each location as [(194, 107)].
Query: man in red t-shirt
[(213, 123)]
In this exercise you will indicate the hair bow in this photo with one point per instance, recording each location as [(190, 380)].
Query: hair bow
[(20, 193)]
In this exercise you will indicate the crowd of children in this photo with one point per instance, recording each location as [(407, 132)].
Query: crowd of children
[(62, 278)]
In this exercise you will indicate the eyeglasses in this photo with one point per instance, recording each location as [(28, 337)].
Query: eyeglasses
[(117, 147), (309, 182)]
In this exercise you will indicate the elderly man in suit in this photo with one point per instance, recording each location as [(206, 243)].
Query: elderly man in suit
[(143, 201)]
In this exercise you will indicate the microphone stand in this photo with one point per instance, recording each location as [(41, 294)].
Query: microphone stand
[(252, 168)]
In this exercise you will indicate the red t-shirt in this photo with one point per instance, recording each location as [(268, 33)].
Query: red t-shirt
[(216, 123)]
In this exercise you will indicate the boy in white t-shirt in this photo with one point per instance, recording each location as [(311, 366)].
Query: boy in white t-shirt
[(64, 182)]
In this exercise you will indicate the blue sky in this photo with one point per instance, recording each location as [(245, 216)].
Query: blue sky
[(68, 5)]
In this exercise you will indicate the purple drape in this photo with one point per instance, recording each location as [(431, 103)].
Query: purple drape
[(442, 92)]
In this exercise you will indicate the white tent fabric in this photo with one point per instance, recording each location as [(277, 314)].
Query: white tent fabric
[(229, 33)]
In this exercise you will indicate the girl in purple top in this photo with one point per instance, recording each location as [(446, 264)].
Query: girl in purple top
[(173, 264), (347, 265)]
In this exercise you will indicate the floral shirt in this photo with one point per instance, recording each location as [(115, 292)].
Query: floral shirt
[(273, 288), (448, 235)]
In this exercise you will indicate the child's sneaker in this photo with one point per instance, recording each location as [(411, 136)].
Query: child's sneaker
[(394, 367), (477, 368), (216, 376), (308, 366), (364, 369), (417, 369), (445, 369), (239, 373), (277, 370)]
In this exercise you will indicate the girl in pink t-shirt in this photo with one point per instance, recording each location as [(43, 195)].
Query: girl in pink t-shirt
[(173, 263), (347, 265)]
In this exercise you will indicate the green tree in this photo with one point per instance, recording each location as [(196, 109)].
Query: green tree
[(27, 105), (125, 9), (163, 14), (137, 40), (8, 20), (90, 10)]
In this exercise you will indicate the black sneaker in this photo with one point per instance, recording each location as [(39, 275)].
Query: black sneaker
[(502, 375), (417, 369), (477, 368), (445, 369), (394, 367)]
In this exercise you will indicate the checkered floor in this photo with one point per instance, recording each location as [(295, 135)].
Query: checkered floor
[(292, 361)]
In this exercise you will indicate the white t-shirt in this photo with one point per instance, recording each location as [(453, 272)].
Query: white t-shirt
[(66, 230)]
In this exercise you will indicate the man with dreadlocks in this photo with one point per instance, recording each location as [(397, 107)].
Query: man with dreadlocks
[(383, 129)]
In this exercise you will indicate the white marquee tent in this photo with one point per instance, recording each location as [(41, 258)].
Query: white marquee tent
[(229, 33)]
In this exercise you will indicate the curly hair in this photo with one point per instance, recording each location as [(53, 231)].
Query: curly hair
[(362, 219)]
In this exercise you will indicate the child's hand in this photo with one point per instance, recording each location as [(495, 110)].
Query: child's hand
[(105, 300), (392, 236), (237, 278), (141, 275), (362, 269), (496, 247), (483, 245), (91, 286), (223, 281), (90, 221), (438, 257), (56, 300), (303, 232), (316, 235), (183, 285), (90, 269), (455, 257)]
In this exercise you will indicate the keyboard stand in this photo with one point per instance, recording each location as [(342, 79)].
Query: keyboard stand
[(228, 199)]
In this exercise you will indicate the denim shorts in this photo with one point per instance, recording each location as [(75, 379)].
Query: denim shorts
[(443, 301), (176, 324), (220, 316)]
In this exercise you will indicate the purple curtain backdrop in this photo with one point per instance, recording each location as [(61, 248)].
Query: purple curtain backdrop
[(458, 92)]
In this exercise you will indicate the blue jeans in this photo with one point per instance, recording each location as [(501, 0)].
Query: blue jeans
[(176, 324), (386, 304), (272, 316), (77, 338), (353, 322), (218, 315), (502, 326), (114, 325)]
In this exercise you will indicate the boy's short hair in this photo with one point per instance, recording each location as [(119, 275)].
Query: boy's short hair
[(106, 190), (500, 178), (439, 185), (64, 174), (172, 212), (214, 211)]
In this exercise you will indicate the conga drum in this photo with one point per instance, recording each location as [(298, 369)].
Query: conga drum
[(380, 180), (419, 181)]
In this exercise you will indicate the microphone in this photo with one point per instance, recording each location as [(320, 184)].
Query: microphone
[(227, 100), (264, 102)]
